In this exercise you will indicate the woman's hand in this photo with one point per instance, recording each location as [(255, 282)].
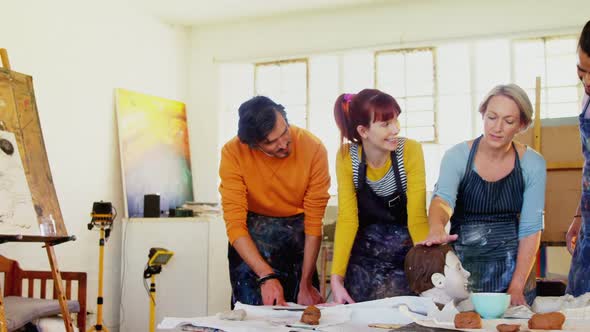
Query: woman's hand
[(340, 293), (438, 235), (572, 234)]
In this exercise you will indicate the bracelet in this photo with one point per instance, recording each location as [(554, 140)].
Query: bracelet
[(267, 277), (578, 216)]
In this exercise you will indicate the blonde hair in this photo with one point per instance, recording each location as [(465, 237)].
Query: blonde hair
[(518, 95)]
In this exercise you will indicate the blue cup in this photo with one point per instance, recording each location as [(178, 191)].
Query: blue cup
[(490, 305)]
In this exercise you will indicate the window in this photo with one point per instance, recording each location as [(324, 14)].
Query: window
[(409, 76), (324, 87), (236, 86), (285, 82), (455, 114), (438, 88), (553, 59)]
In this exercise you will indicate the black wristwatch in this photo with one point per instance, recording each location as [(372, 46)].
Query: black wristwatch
[(267, 277)]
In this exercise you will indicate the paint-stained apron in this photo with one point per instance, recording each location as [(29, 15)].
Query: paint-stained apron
[(486, 218), (579, 276), (280, 241), (376, 266)]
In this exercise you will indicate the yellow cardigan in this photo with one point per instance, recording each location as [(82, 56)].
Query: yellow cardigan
[(347, 223)]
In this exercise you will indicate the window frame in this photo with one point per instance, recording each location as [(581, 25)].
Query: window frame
[(304, 60), (435, 93), (544, 86)]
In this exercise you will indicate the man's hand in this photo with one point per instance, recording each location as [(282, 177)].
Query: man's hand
[(572, 234), (340, 293), (516, 296), (272, 292), (308, 295), (438, 236)]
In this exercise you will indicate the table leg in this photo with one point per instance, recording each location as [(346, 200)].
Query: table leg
[(57, 282), (323, 271)]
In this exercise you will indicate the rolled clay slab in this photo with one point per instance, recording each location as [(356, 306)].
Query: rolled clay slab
[(508, 327), (549, 321), (468, 320)]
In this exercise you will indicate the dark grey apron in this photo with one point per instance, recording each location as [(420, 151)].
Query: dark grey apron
[(486, 219), (280, 241), (376, 266)]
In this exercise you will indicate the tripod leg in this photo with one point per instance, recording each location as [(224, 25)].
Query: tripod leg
[(99, 301), (153, 303)]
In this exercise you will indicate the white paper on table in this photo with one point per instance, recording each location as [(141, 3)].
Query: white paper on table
[(262, 318), (519, 311), (169, 323), (445, 316), (214, 322), (387, 311), (577, 313), (330, 315)]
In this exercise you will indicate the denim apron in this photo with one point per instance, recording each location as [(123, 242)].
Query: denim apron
[(280, 241), (376, 266), (486, 218), (579, 276)]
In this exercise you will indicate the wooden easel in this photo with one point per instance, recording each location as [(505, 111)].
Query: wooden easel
[(49, 241)]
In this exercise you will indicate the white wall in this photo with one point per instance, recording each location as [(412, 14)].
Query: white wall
[(401, 24), (77, 53), (181, 287)]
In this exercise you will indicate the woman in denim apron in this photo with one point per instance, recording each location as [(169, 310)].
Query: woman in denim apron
[(577, 239), (495, 190), (381, 189), (579, 275)]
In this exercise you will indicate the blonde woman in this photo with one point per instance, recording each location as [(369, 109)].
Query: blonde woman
[(492, 189)]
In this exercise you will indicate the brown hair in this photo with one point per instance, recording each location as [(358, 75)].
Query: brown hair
[(352, 110), (422, 262)]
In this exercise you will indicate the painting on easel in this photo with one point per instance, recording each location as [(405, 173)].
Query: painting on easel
[(18, 112), (17, 215), (155, 155)]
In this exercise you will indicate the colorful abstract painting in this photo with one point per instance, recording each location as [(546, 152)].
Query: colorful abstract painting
[(155, 155)]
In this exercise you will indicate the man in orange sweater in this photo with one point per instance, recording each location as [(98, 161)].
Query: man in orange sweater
[(274, 190)]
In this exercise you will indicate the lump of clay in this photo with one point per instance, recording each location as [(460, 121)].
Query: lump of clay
[(508, 327), (311, 315), (549, 321), (468, 320)]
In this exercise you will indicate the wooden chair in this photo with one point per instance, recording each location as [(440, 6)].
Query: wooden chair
[(13, 285)]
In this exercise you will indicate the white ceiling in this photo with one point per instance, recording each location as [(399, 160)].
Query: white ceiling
[(199, 12)]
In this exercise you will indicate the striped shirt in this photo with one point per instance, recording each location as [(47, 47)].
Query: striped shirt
[(386, 185)]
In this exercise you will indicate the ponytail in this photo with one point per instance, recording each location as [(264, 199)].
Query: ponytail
[(342, 115)]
